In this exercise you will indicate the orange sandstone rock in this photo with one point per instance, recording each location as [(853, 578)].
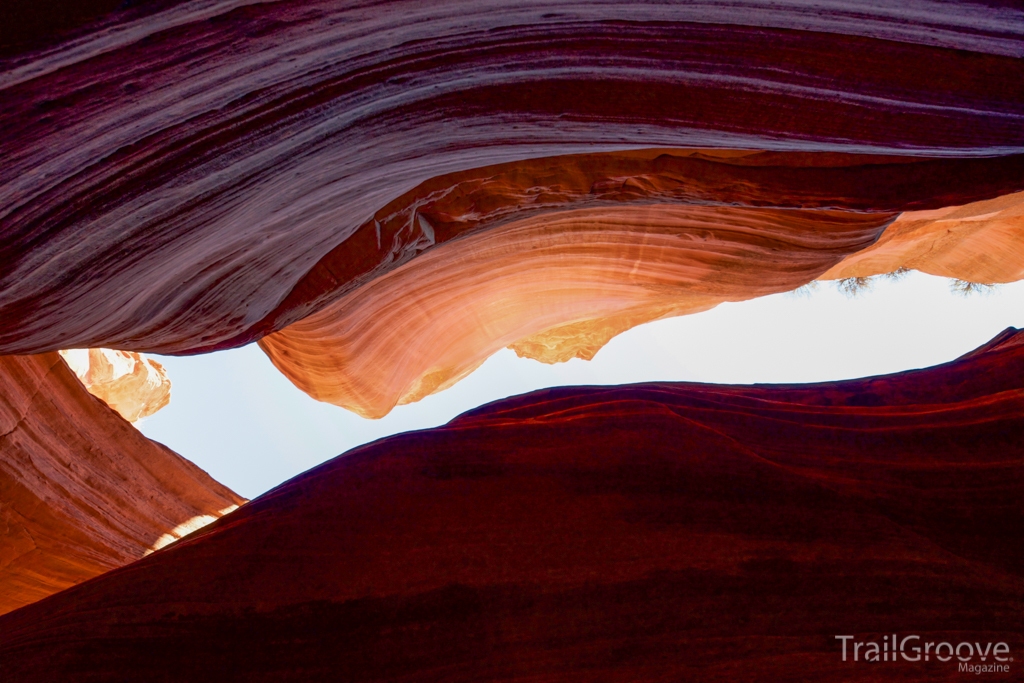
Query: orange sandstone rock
[(82, 490), (553, 286), (555, 256), (979, 242), (131, 384)]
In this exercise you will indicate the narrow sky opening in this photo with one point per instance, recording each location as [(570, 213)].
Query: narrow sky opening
[(237, 417)]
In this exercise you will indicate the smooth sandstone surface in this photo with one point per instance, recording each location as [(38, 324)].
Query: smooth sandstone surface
[(651, 532), (456, 205), (81, 490), (133, 385), (555, 256), (175, 173), (553, 287), (977, 242)]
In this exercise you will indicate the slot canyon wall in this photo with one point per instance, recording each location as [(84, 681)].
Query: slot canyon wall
[(643, 532), (174, 181), (384, 194), (81, 490), (185, 177), (555, 256)]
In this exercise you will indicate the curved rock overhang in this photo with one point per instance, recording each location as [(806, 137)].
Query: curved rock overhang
[(177, 182), (555, 256)]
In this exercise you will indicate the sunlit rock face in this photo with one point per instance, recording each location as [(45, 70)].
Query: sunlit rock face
[(555, 256), (133, 385), (553, 287), (170, 180), (645, 532), (977, 242), (81, 490)]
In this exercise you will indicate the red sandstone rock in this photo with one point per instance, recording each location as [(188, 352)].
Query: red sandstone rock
[(170, 179), (647, 532), (81, 490)]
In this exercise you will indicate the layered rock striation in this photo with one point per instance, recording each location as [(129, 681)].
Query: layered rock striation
[(383, 195), (81, 490), (553, 287), (645, 532), (174, 177), (555, 256)]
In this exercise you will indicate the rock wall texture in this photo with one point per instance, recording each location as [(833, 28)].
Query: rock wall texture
[(174, 175), (555, 256), (645, 532), (81, 490), (133, 385), (976, 242), (383, 194), (555, 286)]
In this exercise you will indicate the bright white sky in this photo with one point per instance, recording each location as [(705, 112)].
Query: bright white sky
[(237, 417)]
